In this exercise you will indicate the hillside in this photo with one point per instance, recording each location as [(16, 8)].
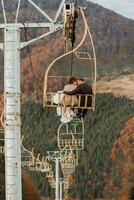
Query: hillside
[(103, 140), (30, 192), (121, 86), (122, 172), (101, 132)]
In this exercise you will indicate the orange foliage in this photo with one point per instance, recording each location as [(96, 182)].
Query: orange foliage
[(41, 55), (125, 143), (70, 179), (124, 146), (123, 196), (30, 191)]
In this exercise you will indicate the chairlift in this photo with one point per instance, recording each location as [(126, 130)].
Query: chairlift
[(66, 184), (69, 163), (2, 118), (71, 135), (50, 85), (27, 156), (38, 163), (45, 166), (53, 185), (49, 174)]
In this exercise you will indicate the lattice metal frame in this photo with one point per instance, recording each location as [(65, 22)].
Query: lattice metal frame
[(12, 47)]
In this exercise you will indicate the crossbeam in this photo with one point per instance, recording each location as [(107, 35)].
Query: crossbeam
[(32, 25)]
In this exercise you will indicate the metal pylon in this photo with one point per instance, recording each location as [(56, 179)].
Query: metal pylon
[(12, 46), (57, 156)]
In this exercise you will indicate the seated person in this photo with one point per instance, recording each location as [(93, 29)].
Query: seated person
[(72, 85), (65, 101), (82, 88)]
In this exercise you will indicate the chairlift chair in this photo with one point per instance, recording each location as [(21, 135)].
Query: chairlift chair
[(49, 93), (27, 156), (71, 136), (45, 166)]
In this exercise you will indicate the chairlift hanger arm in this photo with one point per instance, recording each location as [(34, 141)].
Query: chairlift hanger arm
[(67, 53), (87, 32), (2, 118), (30, 152)]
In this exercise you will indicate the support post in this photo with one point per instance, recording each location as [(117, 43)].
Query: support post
[(12, 112), (57, 156), (57, 179), (12, 123), (61, 183)]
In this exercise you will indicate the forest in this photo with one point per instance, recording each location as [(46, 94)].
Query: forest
[(112, 35), (102, 129)]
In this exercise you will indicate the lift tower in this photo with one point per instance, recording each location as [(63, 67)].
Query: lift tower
[(12, 46)]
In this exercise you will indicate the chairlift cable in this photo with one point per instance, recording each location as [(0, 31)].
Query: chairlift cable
[(72, 63), (73, 36), (31, 64)]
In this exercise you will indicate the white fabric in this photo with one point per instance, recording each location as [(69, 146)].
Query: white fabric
[(66, 116), (69, 87), (59, 110), (58, 97), (69, 98)]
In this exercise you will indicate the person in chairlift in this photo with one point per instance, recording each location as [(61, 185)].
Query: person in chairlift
[(82, 88), (64, 109), (72, 85)]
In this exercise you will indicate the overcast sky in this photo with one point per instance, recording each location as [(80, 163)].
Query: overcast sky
[(123, 7)]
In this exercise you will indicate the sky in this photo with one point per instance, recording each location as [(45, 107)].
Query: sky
[(123, 7)]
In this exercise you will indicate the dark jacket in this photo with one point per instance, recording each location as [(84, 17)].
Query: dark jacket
[(83, 88)]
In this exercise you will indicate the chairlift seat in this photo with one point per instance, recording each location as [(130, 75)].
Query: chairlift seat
[(87, 104)]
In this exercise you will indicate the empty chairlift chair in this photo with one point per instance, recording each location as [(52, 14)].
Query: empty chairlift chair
[(27, 157), (71, 135)]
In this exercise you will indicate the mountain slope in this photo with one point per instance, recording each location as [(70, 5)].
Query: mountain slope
[(102, 129), (122, 155), (121, 86), (102, 136)]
